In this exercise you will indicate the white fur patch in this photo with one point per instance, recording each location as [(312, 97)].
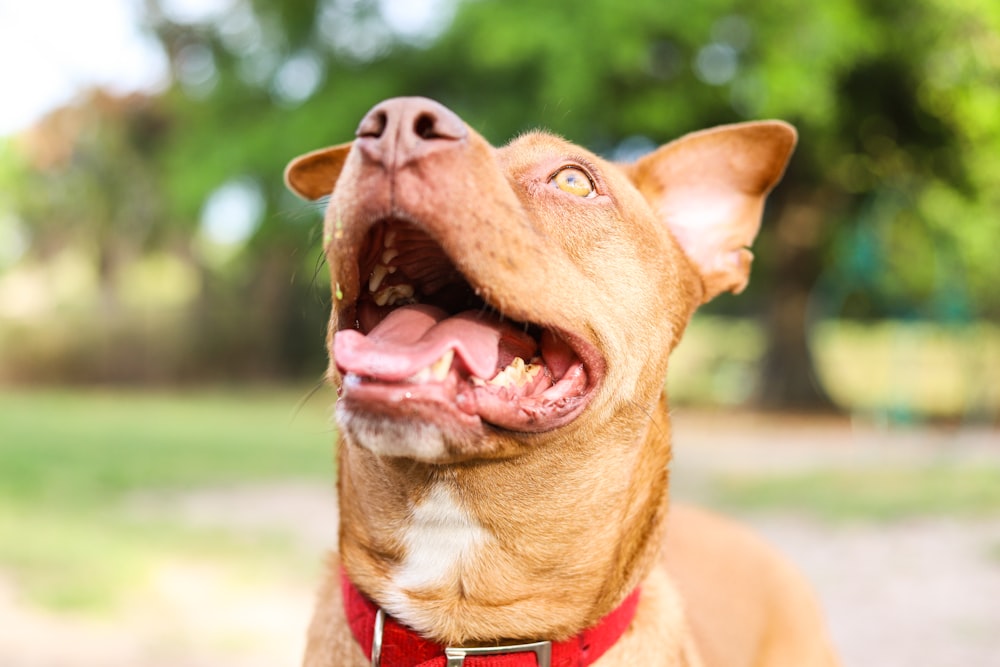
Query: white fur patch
[(386, 437), (440, 537)]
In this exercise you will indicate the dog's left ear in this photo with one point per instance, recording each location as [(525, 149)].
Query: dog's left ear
[(709, 188), (314, 174)]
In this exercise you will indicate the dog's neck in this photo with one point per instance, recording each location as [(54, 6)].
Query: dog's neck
[(535, 547)]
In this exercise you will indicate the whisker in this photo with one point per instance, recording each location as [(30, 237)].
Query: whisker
[(312, 209), (649, 415), (317, 386), (314, 282)]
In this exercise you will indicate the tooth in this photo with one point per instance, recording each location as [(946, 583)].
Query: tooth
[(420, 377), (437, 371), (393, 294), (376, 278), (388, 255), (517, 373), (401, 293), (441, 367), (500, 379)]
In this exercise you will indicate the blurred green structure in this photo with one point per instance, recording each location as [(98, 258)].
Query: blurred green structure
[(153, 239)]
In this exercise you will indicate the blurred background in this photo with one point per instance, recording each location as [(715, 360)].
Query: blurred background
[(165, 464)]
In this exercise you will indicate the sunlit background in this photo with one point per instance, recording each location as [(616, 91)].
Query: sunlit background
[(163, 456)]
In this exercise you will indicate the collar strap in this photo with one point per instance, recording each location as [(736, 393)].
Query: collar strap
[(402, 647)]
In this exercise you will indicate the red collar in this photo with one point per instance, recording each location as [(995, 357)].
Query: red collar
[(403, 647)]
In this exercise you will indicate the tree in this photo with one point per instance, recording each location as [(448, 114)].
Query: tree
[(887, 210), (86, 177)]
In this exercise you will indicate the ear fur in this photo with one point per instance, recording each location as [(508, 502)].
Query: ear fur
[(314, 174), (709, 188)]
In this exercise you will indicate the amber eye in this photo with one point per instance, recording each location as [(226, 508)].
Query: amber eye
[(575, 181)]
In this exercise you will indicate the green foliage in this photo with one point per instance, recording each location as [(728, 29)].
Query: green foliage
[(88, 178), (908, 370), (716, 362), (888, 208), (895, 102)]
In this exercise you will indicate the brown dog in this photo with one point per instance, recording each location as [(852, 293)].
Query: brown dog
[(500, 333)]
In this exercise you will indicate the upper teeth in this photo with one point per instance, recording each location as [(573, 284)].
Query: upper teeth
[(391, 294), (378, 275)]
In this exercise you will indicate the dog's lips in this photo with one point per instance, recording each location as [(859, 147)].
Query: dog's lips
[(419, 344)]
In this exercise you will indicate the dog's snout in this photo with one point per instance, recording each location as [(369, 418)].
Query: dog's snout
[(404, 129)]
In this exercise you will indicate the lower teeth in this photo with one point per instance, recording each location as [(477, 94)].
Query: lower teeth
[(516, 374)]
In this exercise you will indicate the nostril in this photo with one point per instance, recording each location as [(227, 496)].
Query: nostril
[(425, 126), (373, 125), (404, 129)]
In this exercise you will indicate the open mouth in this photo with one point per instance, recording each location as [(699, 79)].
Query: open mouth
[(424, 336)]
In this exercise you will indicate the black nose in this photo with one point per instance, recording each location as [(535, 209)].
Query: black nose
[(405, 129)]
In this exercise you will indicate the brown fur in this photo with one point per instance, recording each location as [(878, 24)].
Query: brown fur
[(576, 516)]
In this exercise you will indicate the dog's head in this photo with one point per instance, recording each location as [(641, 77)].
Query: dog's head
[(486, 299)]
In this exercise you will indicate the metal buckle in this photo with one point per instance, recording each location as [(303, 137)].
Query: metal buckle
[(456, 656), (542, 650), (377, 637)]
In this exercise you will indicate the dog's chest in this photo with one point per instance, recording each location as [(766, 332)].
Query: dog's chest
[(440, 538)]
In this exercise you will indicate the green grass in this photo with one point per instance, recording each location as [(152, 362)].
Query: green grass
[(94, 446), (91, 562), (875, 494), (71, 460)]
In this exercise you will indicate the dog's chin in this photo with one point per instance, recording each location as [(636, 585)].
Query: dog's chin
[(427, 436)]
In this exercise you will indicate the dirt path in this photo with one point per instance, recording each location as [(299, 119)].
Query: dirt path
[(919, 592), (192, 612), (923, 592)]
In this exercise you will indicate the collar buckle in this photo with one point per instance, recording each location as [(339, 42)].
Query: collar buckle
[(377, 638), (456, 656), (542, 650)]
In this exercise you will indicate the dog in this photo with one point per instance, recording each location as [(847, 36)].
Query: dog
[(501, 326)]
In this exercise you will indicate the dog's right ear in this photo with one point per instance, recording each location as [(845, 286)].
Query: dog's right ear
[(314, 174), (709, 188)]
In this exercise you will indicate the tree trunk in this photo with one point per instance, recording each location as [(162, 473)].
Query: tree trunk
[(788, 377)]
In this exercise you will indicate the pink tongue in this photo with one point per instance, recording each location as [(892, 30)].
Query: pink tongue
[(413, 337)]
